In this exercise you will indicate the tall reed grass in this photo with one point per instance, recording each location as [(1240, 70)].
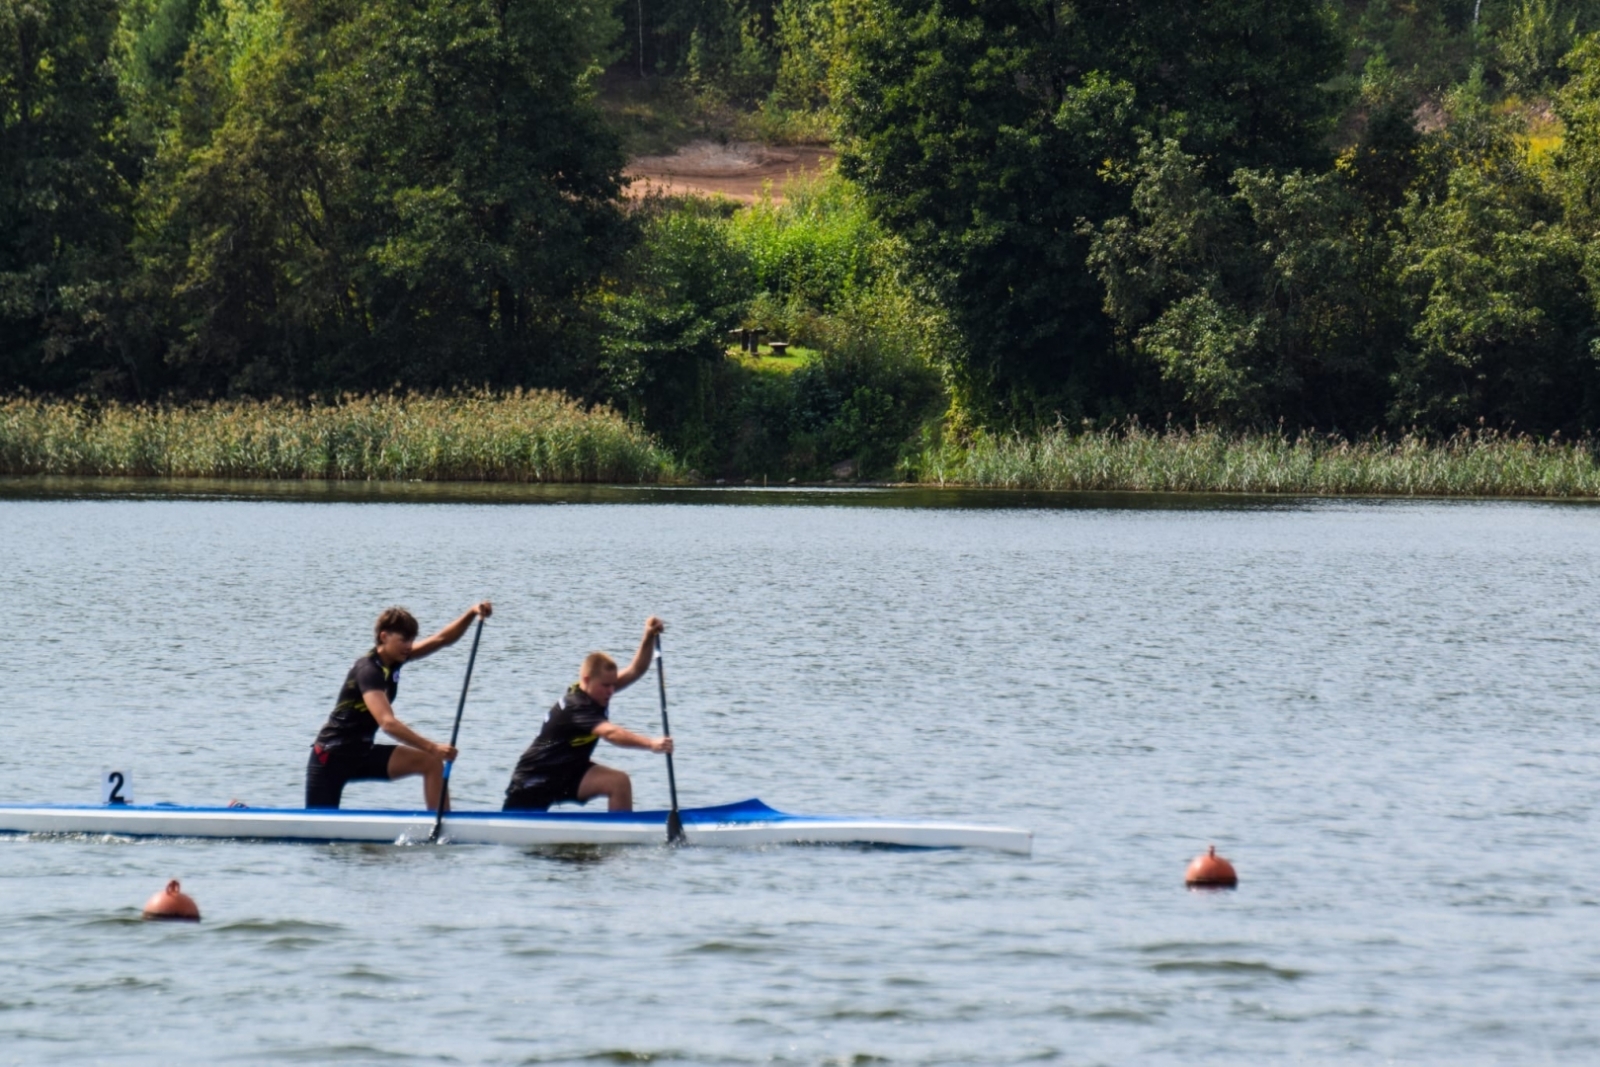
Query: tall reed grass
[(1472, 463), (516, 437)]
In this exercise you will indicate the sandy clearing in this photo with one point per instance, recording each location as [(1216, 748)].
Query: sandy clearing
[(739, 170)]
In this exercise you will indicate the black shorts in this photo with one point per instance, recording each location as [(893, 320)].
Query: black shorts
[(537, 794), (330, 768)]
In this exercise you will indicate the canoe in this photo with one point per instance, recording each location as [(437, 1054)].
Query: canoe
[(746, 823)]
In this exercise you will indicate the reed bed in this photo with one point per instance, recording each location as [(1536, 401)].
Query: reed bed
[(1471, 463), (515, 437)]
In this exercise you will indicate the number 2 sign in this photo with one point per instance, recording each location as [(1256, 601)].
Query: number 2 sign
[(116, 787)]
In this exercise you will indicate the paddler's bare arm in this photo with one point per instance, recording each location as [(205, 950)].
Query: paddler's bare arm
[(624, 738), (641, 659), (378, 704), (452, 633)]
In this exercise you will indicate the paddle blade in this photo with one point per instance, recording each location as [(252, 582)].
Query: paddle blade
[(444, 803), (674, 829)]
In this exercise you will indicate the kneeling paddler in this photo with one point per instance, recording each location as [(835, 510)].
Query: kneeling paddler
[(345, 751), (559, 765)]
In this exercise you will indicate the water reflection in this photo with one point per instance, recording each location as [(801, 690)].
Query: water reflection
[(575, 855), (849, 496)]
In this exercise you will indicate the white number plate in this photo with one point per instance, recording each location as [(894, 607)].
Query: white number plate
[(116, 787)]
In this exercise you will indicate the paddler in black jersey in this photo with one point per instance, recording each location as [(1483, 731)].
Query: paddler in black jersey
[(344, 750), (559, 765)]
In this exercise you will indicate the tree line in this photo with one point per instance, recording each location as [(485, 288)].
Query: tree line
[(1337, 216), (1353, 216)]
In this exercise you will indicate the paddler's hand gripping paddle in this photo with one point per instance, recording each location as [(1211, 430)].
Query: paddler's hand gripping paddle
[(444, 789), (674, 822)]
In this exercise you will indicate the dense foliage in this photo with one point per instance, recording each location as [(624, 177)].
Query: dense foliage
[(254, 196), (1350, 217), (1338, 217), (814, 269)]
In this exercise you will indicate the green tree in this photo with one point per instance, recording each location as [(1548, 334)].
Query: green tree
[(664, 326), (1577, 161), (1538, 33), (1274, 302), (982, 131), (359, 194), (806, 36), (64, 193), (722, 47), (153, 39), (1502, 313), (1241, 83), (1423, 44)]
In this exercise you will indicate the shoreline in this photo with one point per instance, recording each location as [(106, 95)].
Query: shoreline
[(70, 487)]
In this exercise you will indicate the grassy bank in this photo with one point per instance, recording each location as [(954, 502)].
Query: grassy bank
[(519, 437), (1484, 463), (549, 438)]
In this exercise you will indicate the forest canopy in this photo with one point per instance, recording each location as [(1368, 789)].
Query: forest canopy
[(1352, 217)]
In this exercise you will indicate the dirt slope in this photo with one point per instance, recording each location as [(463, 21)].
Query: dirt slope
[(739, 170)]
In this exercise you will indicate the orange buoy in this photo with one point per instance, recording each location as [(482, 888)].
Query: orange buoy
[(1211, 870), (171, 903)]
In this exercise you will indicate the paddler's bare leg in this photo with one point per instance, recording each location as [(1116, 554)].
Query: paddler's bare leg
[(404, 762), (610, 783)]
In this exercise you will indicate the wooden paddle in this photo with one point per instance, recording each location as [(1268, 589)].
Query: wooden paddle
[(455, 731), (674, 822)]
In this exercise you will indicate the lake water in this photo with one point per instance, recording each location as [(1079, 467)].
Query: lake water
[(1384, 713)]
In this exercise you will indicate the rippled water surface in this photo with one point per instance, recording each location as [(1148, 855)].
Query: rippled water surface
[(1385, 714)]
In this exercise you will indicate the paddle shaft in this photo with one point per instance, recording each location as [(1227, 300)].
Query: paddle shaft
[(455, 731), (674, 821)]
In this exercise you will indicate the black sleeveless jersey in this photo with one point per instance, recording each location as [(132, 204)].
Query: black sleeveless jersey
[(565, 744), (351, 723)]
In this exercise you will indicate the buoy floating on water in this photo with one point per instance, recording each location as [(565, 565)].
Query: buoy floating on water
[(172, 903), (1211, 871)]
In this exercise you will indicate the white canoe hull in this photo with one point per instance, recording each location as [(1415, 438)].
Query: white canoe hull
[(745, 824)]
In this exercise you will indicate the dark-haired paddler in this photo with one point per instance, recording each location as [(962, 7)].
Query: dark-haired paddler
[(345, 750)]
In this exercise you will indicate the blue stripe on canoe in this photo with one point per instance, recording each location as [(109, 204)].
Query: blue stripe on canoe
[(752, 810)]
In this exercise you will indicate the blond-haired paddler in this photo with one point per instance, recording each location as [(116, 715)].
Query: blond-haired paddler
[(559, 765)]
